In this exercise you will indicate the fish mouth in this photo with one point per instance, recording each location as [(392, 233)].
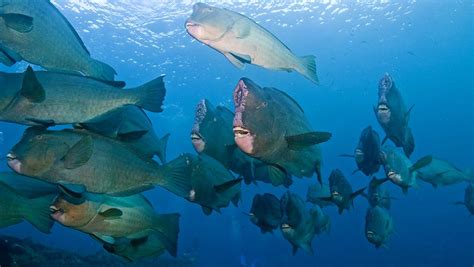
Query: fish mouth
[(11, 156), (395, 177), (198, 142), (285, 226), (56, 212), (371, 235), (196, 136), (13, 162), (383, 108), (190, 23), (240, 132)]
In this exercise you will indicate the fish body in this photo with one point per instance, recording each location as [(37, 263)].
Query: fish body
[(341, 191), (93, 163), (378, 195), (241, 40), (266, 212), (35, 31), (468, 199), (442, 173), (322, 220), (213, 186), (378, 226), (48, 98), (110, 218), (368, 153), (393, 115), (298, 225), (29, 187), (270, 126), (138, 248), (212, 135)]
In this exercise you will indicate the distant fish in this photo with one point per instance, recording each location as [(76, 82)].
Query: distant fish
[(441, 173), (35, 31), (241, 40), (266, 212), (468, 199), (44, 98), (393, 115), (378, 226)]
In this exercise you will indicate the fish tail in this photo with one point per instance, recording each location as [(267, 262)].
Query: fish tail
[(308, 64), (167, 228), (101, 71), (161, 148), (36, 211), (175, 176), (151, 95)]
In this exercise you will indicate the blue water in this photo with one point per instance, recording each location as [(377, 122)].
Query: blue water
[(426, 46)]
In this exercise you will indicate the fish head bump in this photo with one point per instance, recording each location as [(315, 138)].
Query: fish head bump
[(204, 125), (207, 23)]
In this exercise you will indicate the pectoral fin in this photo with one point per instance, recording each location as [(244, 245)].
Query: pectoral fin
[(423, 162), (111, 214), (300, 141), (31, 89), (18, 22), (73, 190), (227, 185), (237, 60), (6, 59), (80, 153)]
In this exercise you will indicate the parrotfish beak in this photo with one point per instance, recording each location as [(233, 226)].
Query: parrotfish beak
[(13, 162), (198, 142), (56, 213)]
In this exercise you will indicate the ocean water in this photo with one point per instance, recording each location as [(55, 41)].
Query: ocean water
[(427, 47)]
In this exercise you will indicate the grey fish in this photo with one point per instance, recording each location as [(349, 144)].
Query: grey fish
[(368, 154), (47, 98), (212, 135), (468, 199), (131, 126), (86, 162), (341, 191), (16, 207), (27, 33), (241, 40), (266, 212), (393, 115), (270, 126), (110, 219), (399, 168), (212, 185), (318, 191), (378, 226), (441, 173), (298, 225)]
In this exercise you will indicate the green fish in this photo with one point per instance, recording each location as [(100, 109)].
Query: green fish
[(16, 207), (378, 226), (266, 212), (35, 31), (109, 218), (138, 248), (212, 135), (29, 187), (83, 161), (48, 98), (241, 40), (441, 173), (132, 126), (272, 127), (399, 168), (213, 186)]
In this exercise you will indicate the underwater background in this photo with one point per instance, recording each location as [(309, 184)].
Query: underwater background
[(426, 46)]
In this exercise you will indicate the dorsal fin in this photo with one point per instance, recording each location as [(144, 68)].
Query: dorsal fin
[(289, 97)]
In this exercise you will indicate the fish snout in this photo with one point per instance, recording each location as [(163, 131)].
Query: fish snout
[(198, 142), (56, 212), (244, 139), (13, 162)]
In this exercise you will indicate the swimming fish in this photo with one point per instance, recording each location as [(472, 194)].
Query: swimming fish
[(212, 185), (27, 33), (468, 199), (393, 115), (82, 161), (368, 154), (378, 226), (441, 173), (48, 98), (137, 248), (29, 187), (270, 126), (110, 218), (212, 135), (378, 195), (241, 40), (266, 212)]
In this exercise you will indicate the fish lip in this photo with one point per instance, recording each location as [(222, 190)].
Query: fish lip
[(285, 226), (196, 136), (240, 131), (190, 23), (54, 210), (11, 156)]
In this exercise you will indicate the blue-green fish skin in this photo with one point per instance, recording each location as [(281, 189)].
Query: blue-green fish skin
[(48, 98), (35, 31), (378, 226), (442, 173)]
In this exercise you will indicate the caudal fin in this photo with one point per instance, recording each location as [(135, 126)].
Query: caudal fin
[(36, 211), (167, 228), (161, 148), (100, 70), (176, 176), (309, 68), (151, 95)]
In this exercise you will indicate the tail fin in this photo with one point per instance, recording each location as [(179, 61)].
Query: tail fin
[(101, 71), (408, 143), (167, 227), (36, 211), (151, 95), (161, 148), (309, 68), (175, 176)]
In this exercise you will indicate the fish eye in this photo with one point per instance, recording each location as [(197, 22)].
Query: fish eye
[(39, 137)]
